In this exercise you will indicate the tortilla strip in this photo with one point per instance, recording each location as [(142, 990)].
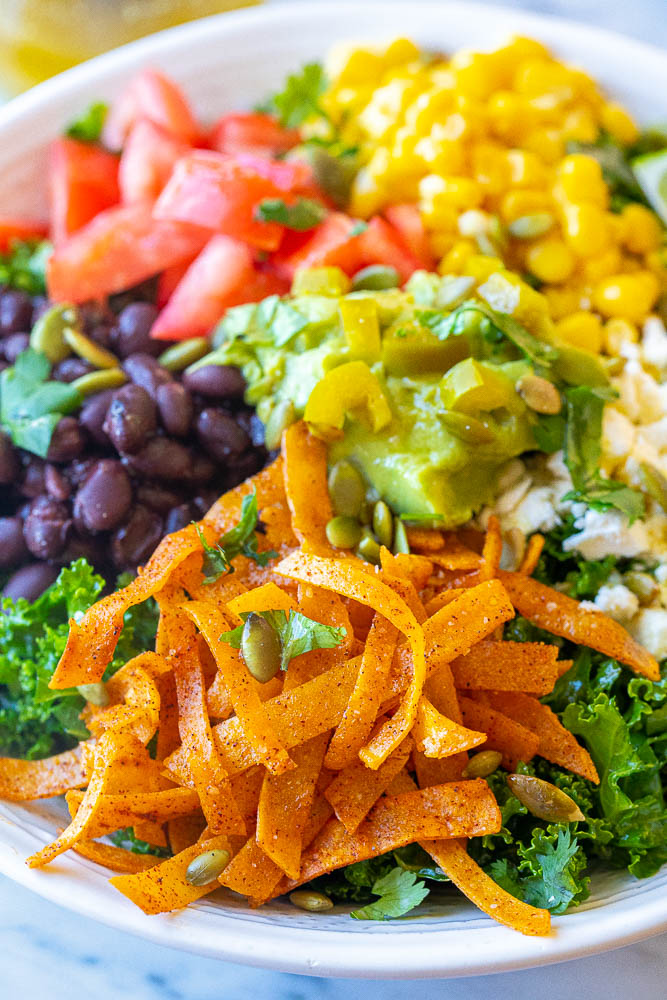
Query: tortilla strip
[(182, 831), (135, 701), (437, 736), (492, 551), (355, 790), (425, 539), (508, 666), (250, 711), (268, 597), (557, 743), (152, 833), (514, 741), (168, 737), (115, 811), (163, 887), (117, 859), (442, 599), (531, 556), (23, 780), (305, 472), (561, 615)]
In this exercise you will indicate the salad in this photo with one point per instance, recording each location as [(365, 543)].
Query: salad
[(423, 645)]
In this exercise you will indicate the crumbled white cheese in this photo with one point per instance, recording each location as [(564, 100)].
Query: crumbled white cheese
[(661, 573), (618, 433), (537, 511), (654, 343), (617, 601), (649, 628), (508, 501), (641, 397), (603, 533)]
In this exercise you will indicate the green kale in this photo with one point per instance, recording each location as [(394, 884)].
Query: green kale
[(555, 865), (24, 266)]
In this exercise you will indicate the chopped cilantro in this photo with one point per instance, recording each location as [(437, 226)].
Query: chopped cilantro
[(399, 891), (30, 405), (299, 99), (298, 634), (126, 838), (88, 127), (24, 266), (239, 540), (304, 214)]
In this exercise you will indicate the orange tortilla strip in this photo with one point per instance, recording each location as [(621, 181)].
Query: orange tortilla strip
[(508, 666), (115, 811), (117, 859), (23, 780), (355, 790), (152, 833), (135, 702), (561, 615), (183, 831), (514, 741), (531, 556), (557, 743), (425, 539), (452, 857), (268, 597), (163, 888), (492, 551), (442, 599), (437, 736), (305, 472), (250, 711)]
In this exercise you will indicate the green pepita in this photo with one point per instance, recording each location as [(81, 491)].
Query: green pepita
[(207, 867), (376, 278), (466, 428), (368, 548), (527, 227), (314, 902), (260, 648), (544, 800), (93, 382), (482, 764), (281, 416), (47, 335), (89, 350), (539, 394), (96, 694), (401, 543), (178, 357), (346, 489), (383, 524), (343, 532)]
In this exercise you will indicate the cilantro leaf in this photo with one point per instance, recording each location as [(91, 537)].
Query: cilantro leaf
[(31, 406), (239, 540), (126, 838), (303, 214), (297, 633), (299, 99), (88, 127), (555, 862), (24, 266), (399, 891)]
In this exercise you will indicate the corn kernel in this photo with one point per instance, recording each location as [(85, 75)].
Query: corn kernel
[(535, 77), (456, 192), (618, 332), (440, 155), (628, 296), (580, 179), (475, 73), (525, 169), (456, 258), (585, 228), (509, 116), (401, 50), (481, 266), (550, 260), (594, 269), (582, 329), (516, 204), (522, 48), (580, 125), (642, 231), (490, 167), (429, 108), (546, 143), (562, 299), (616, 120), (350, 66), (367, 196), (441, 243)]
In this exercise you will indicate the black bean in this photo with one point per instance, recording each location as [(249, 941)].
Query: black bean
[(203, 469), (56, 483), (132, 544), (255, 430), (216, 382), (242, 467), (95, 314), (158, 498), (30, 582), (33, 478), (93, 414), (15, 311), (9, 461), (46, 527), (67, 442), (130, 419), (178, 517), (13, 549), (15, 344), (94, 550), (104, 499), (102, 334), (132, 331), (71, 368), (220, 435), (78, 471), (161, 459), (175, 406), (40, 305), (144, 370)]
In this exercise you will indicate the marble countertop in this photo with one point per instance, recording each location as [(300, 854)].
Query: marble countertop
[(45, 952)]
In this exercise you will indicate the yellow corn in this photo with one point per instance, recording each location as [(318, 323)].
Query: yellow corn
[(582, 329), (628, 296), (616, 120), (642, 232), (586, 229), (550, 260)]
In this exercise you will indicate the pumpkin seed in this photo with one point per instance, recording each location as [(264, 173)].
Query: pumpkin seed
[(260, 648), (368, 548), (376, 278), (89, 350), (482, 764), (539, 394), (642, 585), (346, 489), (466, 428), (314, 902), (544, 800), (383, 524), (96, 694), (207, 867), (92, 382), (401, 543), (527, 227), (178, 357), (343, 532), (281, 416), (654, 483), (47, 335)]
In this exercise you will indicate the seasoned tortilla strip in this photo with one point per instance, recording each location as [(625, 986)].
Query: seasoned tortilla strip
[(305, 472), (508, 666), (437, 736), (23, 780), (514, 741), (117, 859), (356, 789)]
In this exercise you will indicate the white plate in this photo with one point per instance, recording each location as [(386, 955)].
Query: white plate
[(230, 62)]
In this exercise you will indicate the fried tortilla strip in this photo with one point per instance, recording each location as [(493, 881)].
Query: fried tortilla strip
[(183, 831), (269, 487), (452, 857), (514, 741), (425, 539), (115, 811), (557, 743), (561, 615), (164, 888), (305, 472), (250, 711), (355, 790), (437, 736), (23, 780), (134, 701), (362, 709), (116, 859), (268, 597), (531, 556), (492, 551), (345, 578), (508, 666), (442, 599)]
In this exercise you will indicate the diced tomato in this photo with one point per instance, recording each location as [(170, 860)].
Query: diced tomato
[(251, 133), (293, 175), (219, 277), (333, 243), (264, 283), (406, 220), (169, 279), (209, 189), (381, 244), (83, 181), (14, 228), (118, 249), (150, 95), (147, 161)]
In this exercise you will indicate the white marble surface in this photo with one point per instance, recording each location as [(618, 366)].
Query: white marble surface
[(46, 952)]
